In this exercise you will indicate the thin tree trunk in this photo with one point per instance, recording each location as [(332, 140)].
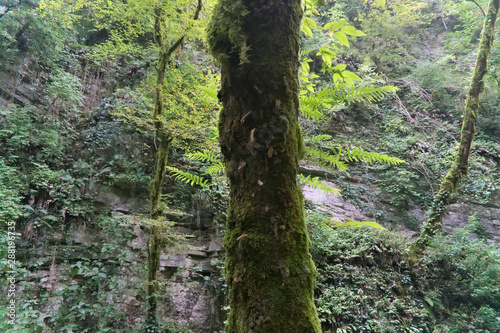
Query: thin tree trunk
[(156, 211), (459, 168), (155, 243), (268, 268)]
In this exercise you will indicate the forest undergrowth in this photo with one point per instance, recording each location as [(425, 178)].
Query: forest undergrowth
[(75, 125)]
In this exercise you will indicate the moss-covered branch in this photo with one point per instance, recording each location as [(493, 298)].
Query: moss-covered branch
[(459, 168), (165, 139)]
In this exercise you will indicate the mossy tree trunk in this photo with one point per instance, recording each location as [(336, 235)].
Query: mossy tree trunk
[(156, 209), (269, 270), (155, 242), (459, 168)]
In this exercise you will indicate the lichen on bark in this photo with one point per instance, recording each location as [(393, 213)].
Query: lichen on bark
[(269, 270), (459, 168)]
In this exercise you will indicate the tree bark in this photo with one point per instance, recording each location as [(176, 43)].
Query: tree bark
[(459, 168), (155, 242), (156, 210), (268, 268)]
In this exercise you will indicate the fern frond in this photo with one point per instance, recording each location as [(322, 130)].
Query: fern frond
[(318, 138), (310, 106), (305, 52), (351, 94), (216, 169), (323, 158), (318, 185), (204, 156), (361, 155), (187, 177)]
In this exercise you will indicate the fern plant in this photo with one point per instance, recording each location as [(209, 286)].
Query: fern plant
[(204, 156), (312, 104), (328, 157), (351, 94), (318, 185), (187, 177), (361, 155), (215, 168), (218, 168), (326, 160)]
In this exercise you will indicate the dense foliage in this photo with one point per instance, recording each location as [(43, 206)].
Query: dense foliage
[(382, 82), (365, 284)]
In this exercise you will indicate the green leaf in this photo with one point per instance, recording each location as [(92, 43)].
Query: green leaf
[(318, 3), (327, 51), (342, 38), (337, 78), (318, 138), (308, 108), (305, 66), (352, 31), (351, 75), (361, 155), (310, 23), (381, 2), (344, 94), (315, 3), (339, 67), (325, 159), (327, 59), (307, 30), (335, 25)]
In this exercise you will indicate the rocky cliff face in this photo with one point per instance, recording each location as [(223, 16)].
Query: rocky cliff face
[(370, 204), (66, 264), (110, 258)]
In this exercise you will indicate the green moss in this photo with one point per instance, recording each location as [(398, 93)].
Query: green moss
[(269, 270), (225, 33)]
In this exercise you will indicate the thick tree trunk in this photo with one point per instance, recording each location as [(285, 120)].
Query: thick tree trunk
[(459, 168), (269, 270)]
